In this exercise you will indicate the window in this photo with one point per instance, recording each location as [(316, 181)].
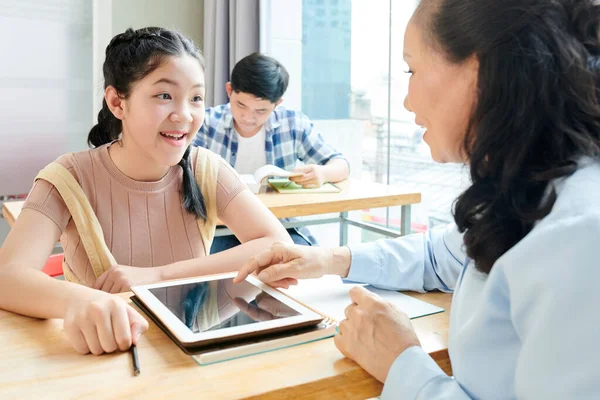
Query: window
[(350, 80)]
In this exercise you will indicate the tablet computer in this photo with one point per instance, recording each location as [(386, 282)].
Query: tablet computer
[(212, 309)]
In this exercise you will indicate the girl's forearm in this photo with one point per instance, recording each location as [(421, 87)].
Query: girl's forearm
[(226, 261), (30, 292)]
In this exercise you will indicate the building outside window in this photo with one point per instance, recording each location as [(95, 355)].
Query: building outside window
[(345, 60)]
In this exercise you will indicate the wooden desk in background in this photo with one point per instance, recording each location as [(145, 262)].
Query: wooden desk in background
[(11, 211), (355, 195), (38, 362)]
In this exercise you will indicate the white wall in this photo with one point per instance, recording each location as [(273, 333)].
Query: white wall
[(187, 16)]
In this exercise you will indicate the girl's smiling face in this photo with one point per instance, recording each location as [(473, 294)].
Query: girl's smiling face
[(165, 110)]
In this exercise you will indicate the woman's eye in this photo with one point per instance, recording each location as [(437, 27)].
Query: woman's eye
[(164, 96), (197, 99)]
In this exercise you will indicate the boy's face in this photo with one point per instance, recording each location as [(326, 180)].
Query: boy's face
[(249, 112)]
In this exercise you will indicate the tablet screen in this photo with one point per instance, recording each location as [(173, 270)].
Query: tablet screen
[(212, 305)]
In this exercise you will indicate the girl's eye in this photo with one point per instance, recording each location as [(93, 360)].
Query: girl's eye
[(164, 96), (409, 72), (197, 99)]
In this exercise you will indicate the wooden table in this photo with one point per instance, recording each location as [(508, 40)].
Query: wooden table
[(38, 362), (355, 195)]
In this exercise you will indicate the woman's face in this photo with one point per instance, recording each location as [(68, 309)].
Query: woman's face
[(441, 94)]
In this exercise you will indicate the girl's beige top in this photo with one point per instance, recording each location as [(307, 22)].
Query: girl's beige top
[(142, 224)]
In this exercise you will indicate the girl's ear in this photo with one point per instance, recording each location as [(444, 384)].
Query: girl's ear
[(114, 102)]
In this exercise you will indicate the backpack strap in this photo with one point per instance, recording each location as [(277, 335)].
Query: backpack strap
[(207, 174), (84, 217)]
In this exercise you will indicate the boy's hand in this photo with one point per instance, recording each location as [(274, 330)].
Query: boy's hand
[(313, 176)]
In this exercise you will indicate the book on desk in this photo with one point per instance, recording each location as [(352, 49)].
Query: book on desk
[(260, 176), (285, 186)]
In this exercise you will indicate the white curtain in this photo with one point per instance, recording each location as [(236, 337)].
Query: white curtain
[(231, 32)]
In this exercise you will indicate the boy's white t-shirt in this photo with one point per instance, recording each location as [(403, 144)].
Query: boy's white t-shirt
[(251, 153)]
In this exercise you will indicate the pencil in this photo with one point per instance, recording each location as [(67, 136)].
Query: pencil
[(136, 361)]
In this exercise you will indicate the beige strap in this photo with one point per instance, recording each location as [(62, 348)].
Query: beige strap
[(88, 226), (207, 174), (83, 215)]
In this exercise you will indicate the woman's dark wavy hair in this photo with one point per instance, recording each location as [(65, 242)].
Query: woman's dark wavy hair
[(537, 110), (130, 56)]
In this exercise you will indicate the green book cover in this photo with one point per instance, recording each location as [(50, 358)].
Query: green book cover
[(284, 185)]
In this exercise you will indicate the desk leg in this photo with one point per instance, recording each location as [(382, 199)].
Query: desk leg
[(405, 220), (343, 228)]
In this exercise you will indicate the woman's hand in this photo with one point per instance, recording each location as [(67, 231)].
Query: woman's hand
[(374, 333), (103, 323), (282, 264), (120, 278)]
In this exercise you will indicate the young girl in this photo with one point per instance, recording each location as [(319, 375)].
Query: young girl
[(141, 182)]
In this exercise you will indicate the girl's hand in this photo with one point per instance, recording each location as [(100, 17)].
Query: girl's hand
[(120, 278), (103, 323)]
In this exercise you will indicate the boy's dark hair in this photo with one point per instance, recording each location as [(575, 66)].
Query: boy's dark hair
[(537, 111), (261, 76), (130, 56)]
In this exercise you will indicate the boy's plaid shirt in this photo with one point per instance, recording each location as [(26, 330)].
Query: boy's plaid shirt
[(290, 136)]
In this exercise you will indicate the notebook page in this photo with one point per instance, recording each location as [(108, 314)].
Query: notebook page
[(331, 296)]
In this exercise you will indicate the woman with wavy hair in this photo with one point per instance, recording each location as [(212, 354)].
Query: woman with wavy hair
[(510, 88)]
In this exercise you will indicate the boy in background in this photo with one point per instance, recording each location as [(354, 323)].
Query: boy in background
[(253, 130)]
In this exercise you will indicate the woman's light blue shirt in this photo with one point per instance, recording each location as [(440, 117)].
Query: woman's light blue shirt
[(529, 329)]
